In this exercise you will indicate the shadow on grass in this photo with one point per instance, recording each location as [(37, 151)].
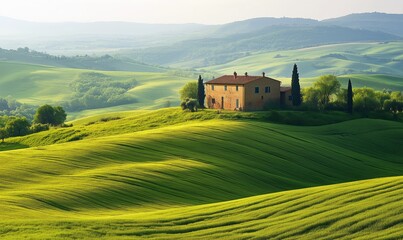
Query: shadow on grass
[(6, 146)]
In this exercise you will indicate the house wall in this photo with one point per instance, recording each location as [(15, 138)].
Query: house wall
[(287, 101), (258, 101), (230, 96)]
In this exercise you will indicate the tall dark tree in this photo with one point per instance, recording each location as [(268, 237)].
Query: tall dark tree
[(200, 92), (295, 87), (349, 97)]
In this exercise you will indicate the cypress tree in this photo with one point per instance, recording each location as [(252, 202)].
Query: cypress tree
[(200, 92), (295, 87), (349, 97)]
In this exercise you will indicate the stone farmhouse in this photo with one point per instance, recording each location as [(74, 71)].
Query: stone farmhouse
[(246, 93)]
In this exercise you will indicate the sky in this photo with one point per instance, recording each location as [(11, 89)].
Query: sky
[(187, 11)]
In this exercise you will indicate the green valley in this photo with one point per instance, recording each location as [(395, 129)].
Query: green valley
[(137, 176), (38, 84), (376, 65), (123, 120)]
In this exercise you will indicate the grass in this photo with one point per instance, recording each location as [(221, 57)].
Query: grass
[(376, 65), (368, 209), (151, 174), (140, 120), (36, 84)]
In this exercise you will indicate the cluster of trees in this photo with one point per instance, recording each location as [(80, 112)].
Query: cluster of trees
[(193, 95), (11, 107), (96, 90), (327, 94), (45, 116)]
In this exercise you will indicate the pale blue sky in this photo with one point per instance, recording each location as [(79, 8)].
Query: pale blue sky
[(187, 11)]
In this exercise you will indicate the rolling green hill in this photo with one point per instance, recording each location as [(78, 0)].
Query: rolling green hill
[(377, 65), (107, 184), (38, 84), (359, 210), (219, 49)]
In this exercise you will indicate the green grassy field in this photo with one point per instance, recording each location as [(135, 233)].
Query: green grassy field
[(376, 65), (36, 84), (156, 174), (368, 209)]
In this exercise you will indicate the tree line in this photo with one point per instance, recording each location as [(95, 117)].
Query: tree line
[(45, 117), (96, 90), (327, 94)]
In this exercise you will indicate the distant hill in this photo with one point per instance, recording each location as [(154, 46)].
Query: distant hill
[(389, 23), (256, 24), (200, 45), (338, 59), (14, 27), (92, 37), (105, 62), (219, 49), (39, 84)]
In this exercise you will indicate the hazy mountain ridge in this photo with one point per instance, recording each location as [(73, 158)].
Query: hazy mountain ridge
[(389, 23), (105, 62), (217, 50), (196, 45), (12, 26)]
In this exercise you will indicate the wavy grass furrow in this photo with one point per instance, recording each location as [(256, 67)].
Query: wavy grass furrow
[(205, 178), (376, 215)]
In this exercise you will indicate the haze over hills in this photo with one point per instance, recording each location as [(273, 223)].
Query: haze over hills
[(149, 40), (128, 163), (389, 23), (217, 50)]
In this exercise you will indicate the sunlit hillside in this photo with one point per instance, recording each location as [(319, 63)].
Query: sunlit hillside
[(38, 84), (377, 65), (122, 172)]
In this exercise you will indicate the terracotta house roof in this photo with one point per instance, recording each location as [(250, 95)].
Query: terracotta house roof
[(285, 89), (239, 80)]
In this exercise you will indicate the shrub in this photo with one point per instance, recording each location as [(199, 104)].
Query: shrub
[(39, 127), (190, 103), (275, 116), (393, 106), (17, 127), (365, 100)]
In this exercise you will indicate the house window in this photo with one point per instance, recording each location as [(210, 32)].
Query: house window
[(212, 87), (262, 97), (225, 87), (236, 87), (256, 89), (237, 103), (213, 100), (290, 98), (267, 89)]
